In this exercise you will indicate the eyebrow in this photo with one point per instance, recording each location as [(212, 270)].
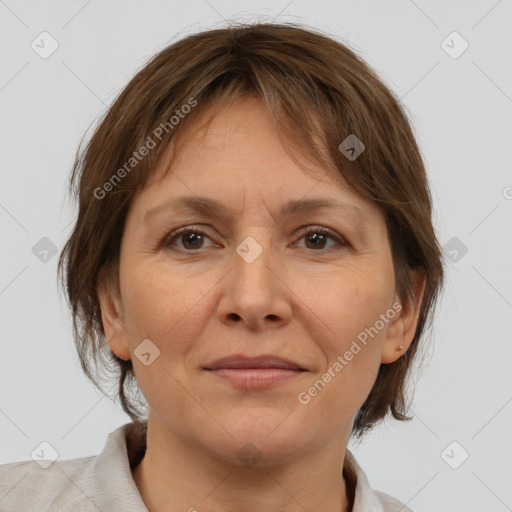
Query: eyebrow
[(213, 208)]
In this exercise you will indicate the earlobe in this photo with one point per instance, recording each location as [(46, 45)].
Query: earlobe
[(402, 329), (394, 347), (113, 325)]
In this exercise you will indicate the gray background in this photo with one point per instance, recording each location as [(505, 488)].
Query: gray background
[(461, 110)]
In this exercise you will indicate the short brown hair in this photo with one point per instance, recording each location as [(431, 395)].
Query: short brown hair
[(316, 89)]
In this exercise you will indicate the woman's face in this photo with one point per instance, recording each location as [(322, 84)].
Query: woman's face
[(254, 282)]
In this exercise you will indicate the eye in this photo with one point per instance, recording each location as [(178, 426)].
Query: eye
[(190, 236), (193, 238), (317, 236)]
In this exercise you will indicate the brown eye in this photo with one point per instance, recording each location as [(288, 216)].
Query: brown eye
[(317, 237), (191, 238)]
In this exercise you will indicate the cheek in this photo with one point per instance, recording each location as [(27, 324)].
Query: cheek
[(346, 301), (161, 304), (337, 403), (163, 308), (351, 305)]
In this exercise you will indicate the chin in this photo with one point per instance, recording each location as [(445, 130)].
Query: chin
[(265, 437)]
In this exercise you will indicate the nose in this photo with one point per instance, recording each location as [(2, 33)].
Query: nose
[(255, 292)]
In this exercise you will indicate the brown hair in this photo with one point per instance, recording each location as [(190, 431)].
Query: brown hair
[(316, 89)]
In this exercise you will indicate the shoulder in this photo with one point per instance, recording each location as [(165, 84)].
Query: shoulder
[(46, 485), (99, 482), (367, 499), (390, 504)]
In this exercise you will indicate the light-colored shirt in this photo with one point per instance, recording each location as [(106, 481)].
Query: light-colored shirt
[(104, 482)]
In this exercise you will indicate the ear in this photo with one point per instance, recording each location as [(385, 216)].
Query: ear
[(403, 327), (112, 318)]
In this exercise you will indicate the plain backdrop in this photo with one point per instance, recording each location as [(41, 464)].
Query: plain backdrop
[(459, 101)]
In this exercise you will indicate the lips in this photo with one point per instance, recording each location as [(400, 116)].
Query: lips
[(260, 362), (255, 373)]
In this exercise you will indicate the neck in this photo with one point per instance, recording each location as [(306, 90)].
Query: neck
[(176, 476)]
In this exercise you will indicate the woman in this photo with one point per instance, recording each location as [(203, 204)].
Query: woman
[(254, 254)]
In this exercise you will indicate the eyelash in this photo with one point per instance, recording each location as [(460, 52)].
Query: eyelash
[(174, 235)]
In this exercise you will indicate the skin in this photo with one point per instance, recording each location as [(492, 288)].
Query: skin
[(201, 301)]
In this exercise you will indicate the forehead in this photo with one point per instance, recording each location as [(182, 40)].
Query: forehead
[(239, 156), (238, 133)]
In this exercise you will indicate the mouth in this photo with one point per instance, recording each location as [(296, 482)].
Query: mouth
[(255, 372)]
